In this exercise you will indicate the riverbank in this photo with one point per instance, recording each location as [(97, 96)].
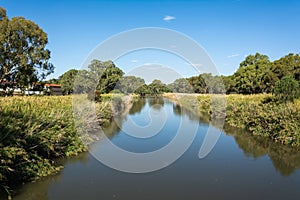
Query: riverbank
[(255, 113), (36, 131)]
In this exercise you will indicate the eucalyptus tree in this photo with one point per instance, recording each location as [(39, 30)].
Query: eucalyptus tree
[(24, 57)]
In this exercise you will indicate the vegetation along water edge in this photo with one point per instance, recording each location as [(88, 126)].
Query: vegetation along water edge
[(37, 130), (260, 114)]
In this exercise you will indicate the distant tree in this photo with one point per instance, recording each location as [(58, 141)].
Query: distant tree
[(229, 84), (251, 77), (198, 84), (181, 85), (128, 84), (53, 80), (83, 83), (288, 65), (24, 58), (255, 60), (2, 13), (67, 81), (287, 89), (213, 84), (143, 90), (105, 75), (157, 87)]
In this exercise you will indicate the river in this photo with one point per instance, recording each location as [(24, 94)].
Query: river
[(240, 166)]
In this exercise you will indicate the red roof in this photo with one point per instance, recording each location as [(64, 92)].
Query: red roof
[(52, 85)]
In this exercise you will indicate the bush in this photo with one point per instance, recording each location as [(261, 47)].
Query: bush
[(287, 89), (34, 132)]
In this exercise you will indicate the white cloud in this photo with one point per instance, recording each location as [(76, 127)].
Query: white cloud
[(134, 61), (169, 18), (234, 55)]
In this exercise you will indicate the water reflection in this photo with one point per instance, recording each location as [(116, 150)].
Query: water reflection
[(137, 106), (39, 190), (189, 177), (285, 159), (182, 111), (156, 101)]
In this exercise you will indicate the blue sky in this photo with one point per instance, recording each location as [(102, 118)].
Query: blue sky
[(228, 30)]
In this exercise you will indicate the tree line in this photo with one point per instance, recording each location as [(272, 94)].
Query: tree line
[(24, 59), (256, 74)]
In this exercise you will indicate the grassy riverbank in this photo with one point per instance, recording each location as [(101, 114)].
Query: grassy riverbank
[(256, 113), (34, 132)]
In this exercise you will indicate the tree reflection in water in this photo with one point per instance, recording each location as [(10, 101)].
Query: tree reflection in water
[(285, 159)]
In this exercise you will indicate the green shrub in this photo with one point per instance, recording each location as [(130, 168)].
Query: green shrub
[(287, 89), (34, 132)]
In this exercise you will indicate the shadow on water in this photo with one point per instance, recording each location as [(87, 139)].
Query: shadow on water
[(285, 159), (137, 106), (116, 123), (39, 189)]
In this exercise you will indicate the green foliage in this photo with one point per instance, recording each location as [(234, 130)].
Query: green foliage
[(129, 84), (181, 85), (287, 89), (105, 75), (204, 83), (276, 121), (25, 58), (287, 66), (253, 76), (67, 80), (2, 13), (34, 132), (157, 87), (279, 122), (256, 74), (198, 84), (153, 89), (143, 90)]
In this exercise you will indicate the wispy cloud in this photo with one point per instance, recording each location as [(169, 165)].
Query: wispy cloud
[(234, 55), (169, 18), (134, 61)]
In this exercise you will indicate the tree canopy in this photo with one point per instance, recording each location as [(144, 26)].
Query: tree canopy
[(67, 81), (23, 55), (287, 89), (129, 84)]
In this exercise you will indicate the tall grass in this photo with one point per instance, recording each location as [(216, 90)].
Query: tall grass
[(278, 121), (34, 132), (259, 114)]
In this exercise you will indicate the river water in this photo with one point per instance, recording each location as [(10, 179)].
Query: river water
[(240, 166)]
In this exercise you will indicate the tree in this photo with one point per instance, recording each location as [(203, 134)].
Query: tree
[(254, 60), (83, 83), (53, 81), (157, 87), (2, 13), (198, 84), (143, 90), (288, 65), (24, 58), (105, 75), (67, 81), (128, 84), (251, 77), (181, 85), (287, 89)]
